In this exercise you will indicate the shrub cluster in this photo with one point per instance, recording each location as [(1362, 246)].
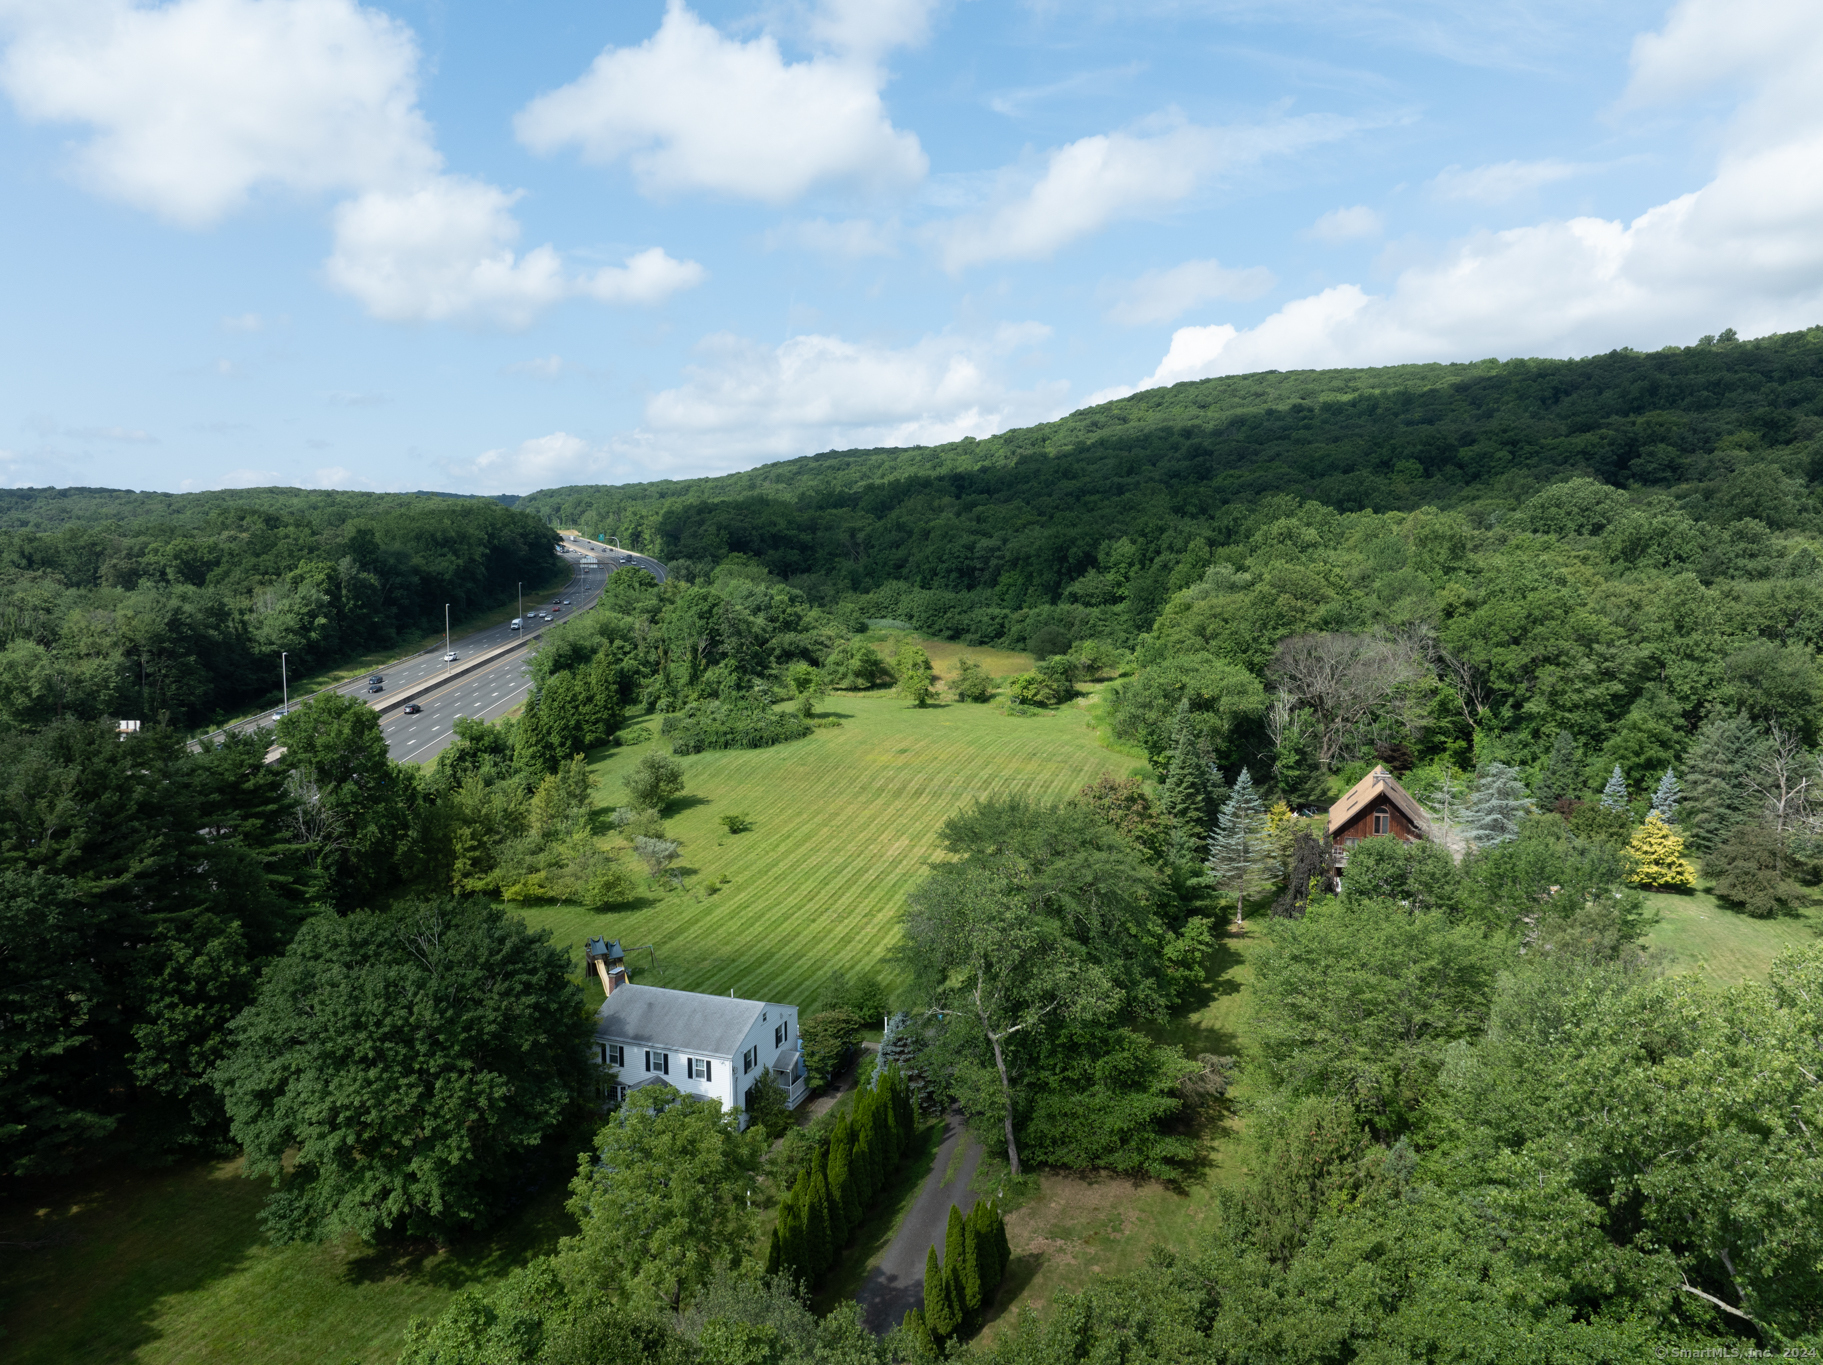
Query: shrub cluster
[(730, 725), (826, 1202), (959, 1287)]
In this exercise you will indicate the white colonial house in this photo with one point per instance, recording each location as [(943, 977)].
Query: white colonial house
[(709, 1046)]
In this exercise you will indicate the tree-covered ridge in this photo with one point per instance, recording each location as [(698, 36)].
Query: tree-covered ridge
[(180, 604), (626, 509), (1724, 428)]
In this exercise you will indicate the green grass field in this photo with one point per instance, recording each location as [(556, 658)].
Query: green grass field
[(844, 824), (171, 1266), (1696, 929)]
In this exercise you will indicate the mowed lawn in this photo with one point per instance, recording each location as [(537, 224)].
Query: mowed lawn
[(171, 1266), (1698, 930), (845, 823)]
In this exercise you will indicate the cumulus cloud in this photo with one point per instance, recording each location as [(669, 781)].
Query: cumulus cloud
[(1089, 183), (1504, 181), (690, 109), (1161, 295), (1346, 225), (542, 462), (743, 400), (194, 107), (1744, 250)]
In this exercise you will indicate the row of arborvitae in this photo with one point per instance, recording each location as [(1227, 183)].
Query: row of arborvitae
[(959, 1288), (825, 1206)]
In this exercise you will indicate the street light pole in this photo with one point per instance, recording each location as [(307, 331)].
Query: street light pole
[(522, 606), (284, 684), (446, 629)]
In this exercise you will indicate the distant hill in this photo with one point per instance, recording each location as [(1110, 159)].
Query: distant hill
[(1026, 513)]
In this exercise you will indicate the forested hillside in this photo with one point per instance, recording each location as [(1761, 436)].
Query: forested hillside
[(148, 604)]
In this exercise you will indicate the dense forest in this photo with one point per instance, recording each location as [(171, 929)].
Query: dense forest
[(1575, 606), (144, 605)]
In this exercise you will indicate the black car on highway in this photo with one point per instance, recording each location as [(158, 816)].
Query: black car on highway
[(412, 708)]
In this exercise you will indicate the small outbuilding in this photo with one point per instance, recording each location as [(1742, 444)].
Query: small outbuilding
[(1376, 805)]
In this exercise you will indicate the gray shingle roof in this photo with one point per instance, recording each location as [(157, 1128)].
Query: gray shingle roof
[(680, 1020)]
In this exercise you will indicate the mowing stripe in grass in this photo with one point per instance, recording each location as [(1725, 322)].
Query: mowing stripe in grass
[(845, 822)]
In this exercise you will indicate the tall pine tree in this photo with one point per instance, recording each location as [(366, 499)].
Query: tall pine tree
[(1614, 795), (1193, 787), (940, 1314), (1495, 808), (1561, 777), (1665, 799), (1240, 858), (1719, 774)]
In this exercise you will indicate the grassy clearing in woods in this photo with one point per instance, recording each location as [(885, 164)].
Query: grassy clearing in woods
[(1696, 928), (844, 823), (171, 1266)]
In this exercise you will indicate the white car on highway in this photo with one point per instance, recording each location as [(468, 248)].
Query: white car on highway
[(450, 657)]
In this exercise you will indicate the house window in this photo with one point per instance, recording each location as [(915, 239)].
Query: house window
[(659, 1062), (778, 1035), (601, 1053), (748, 1058), (1383, 821), (698, 1069), (617, 1055)]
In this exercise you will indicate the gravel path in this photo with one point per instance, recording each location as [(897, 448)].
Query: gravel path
[(896, 1285)]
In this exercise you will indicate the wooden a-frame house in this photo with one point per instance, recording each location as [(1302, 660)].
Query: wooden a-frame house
[(1376, 805)]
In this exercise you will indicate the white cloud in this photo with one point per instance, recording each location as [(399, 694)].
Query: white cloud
[(1091, 182), (444, 252), (692, 110), (242, 478), (649, 276), (196, 105), (542, 462), (1505, 180), (1346, 225), (868, 29), (853, 238), (816, 391), (1161, 295), (1745, 250), (743, 401)]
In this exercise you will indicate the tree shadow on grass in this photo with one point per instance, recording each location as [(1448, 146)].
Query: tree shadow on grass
[(105, 1249), (688, 801)]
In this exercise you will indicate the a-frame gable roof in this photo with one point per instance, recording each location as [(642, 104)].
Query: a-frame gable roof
[(1378, 785)]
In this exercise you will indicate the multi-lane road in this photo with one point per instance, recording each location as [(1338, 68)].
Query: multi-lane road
[(490, 693), (487, 693)]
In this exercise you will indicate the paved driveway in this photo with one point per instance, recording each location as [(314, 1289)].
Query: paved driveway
[(896, 1285)]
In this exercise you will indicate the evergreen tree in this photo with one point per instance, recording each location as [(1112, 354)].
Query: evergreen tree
[(1003, 1251), (1240, 855), (1666, 798), (1188, 784), (823, 1227), (844, 1207), (940, 1313), (1614, 795), (1495, 807), (954, 1256), (1655, 856), (1719, 775), (970, 1269), (919, 1330), (1561, 777), (772, 1250)]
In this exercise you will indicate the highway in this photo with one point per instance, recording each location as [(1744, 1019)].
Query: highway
[(492, 691)]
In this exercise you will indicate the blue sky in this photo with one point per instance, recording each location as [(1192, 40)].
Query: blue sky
[(493, 248)]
